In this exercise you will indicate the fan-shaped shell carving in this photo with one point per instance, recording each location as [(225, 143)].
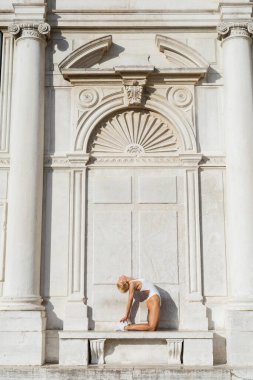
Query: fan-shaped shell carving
[(134, 133)]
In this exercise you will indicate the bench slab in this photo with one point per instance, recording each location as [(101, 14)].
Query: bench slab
[(136, 347)]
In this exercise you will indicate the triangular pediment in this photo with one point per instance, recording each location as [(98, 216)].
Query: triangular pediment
[(180, 55)]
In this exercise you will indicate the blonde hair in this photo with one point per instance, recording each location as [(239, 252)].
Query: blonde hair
[(123, 286)]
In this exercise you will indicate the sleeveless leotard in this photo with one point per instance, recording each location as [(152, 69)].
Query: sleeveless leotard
[(148, 285)]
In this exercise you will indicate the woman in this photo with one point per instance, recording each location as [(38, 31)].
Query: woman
[(133, 285)]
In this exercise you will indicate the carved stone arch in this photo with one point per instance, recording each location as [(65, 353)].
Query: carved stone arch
[(180, 55), (86, 55), (113, 105), (135, 132)]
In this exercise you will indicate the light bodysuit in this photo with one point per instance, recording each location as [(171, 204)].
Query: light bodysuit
[(148, 285)]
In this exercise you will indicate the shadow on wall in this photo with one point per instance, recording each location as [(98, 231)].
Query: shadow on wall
[(53, 321), (59, 43), (169, 310), (114, 52)]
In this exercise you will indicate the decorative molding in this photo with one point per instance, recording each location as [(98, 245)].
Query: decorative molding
[(178, 117), (5, 162), (88, 121), (180, 55), (85, 56), (134, 93), (73, 160), (133, 133), (30, 30), (180, 97), (234, 29), (134, 80), (173, 161), (213, 161), (88, 97), (174, 347), (79, 160), (193, 235), (97, 351)]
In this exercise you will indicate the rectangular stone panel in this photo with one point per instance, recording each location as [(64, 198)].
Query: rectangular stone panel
[(109, 304), (112, 233), (3, 184), (210, 130), (3, 216), (56, 234), (158, 248), (213, 233), (112, 189), (58, 122), (136, 352), (152, 189)]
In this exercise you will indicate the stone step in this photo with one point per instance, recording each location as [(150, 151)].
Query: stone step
[(55, 372)]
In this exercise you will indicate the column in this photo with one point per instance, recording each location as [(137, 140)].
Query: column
[(238, 119), (22, 321)]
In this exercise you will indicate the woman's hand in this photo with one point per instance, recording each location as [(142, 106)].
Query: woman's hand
[(124, 319)]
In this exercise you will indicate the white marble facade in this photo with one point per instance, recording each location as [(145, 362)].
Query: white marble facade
[(141, 164)]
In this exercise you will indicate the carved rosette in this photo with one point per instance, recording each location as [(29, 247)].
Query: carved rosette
[(234, 29), (180, 97), (88, 97), (40, 31)]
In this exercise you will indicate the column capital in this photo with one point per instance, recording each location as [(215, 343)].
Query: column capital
[(30, 30), (235, 29)]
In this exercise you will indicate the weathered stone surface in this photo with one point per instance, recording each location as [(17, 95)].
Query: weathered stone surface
[(113, 373)]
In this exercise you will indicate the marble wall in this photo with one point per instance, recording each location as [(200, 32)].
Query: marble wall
[(135, 219)]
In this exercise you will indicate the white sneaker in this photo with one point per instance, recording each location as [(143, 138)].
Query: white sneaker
[(121, 326)]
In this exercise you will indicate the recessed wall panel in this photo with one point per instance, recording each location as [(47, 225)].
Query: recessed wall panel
[(3, 184), (112, 189), (110, 304), (56, 229), (213, 233), (111, 245), (158, 246), (157, 189)]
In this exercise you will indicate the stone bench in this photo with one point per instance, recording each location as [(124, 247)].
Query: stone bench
[(136, 347)]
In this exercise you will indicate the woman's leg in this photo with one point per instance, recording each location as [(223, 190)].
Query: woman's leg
[(153, 318)]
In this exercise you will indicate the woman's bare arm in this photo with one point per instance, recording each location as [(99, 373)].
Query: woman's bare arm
[(129, 302)]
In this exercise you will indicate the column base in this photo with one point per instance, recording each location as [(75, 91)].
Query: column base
[(239, 337), (22, 337)]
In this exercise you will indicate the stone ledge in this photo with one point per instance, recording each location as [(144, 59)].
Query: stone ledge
[(136, 334)]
